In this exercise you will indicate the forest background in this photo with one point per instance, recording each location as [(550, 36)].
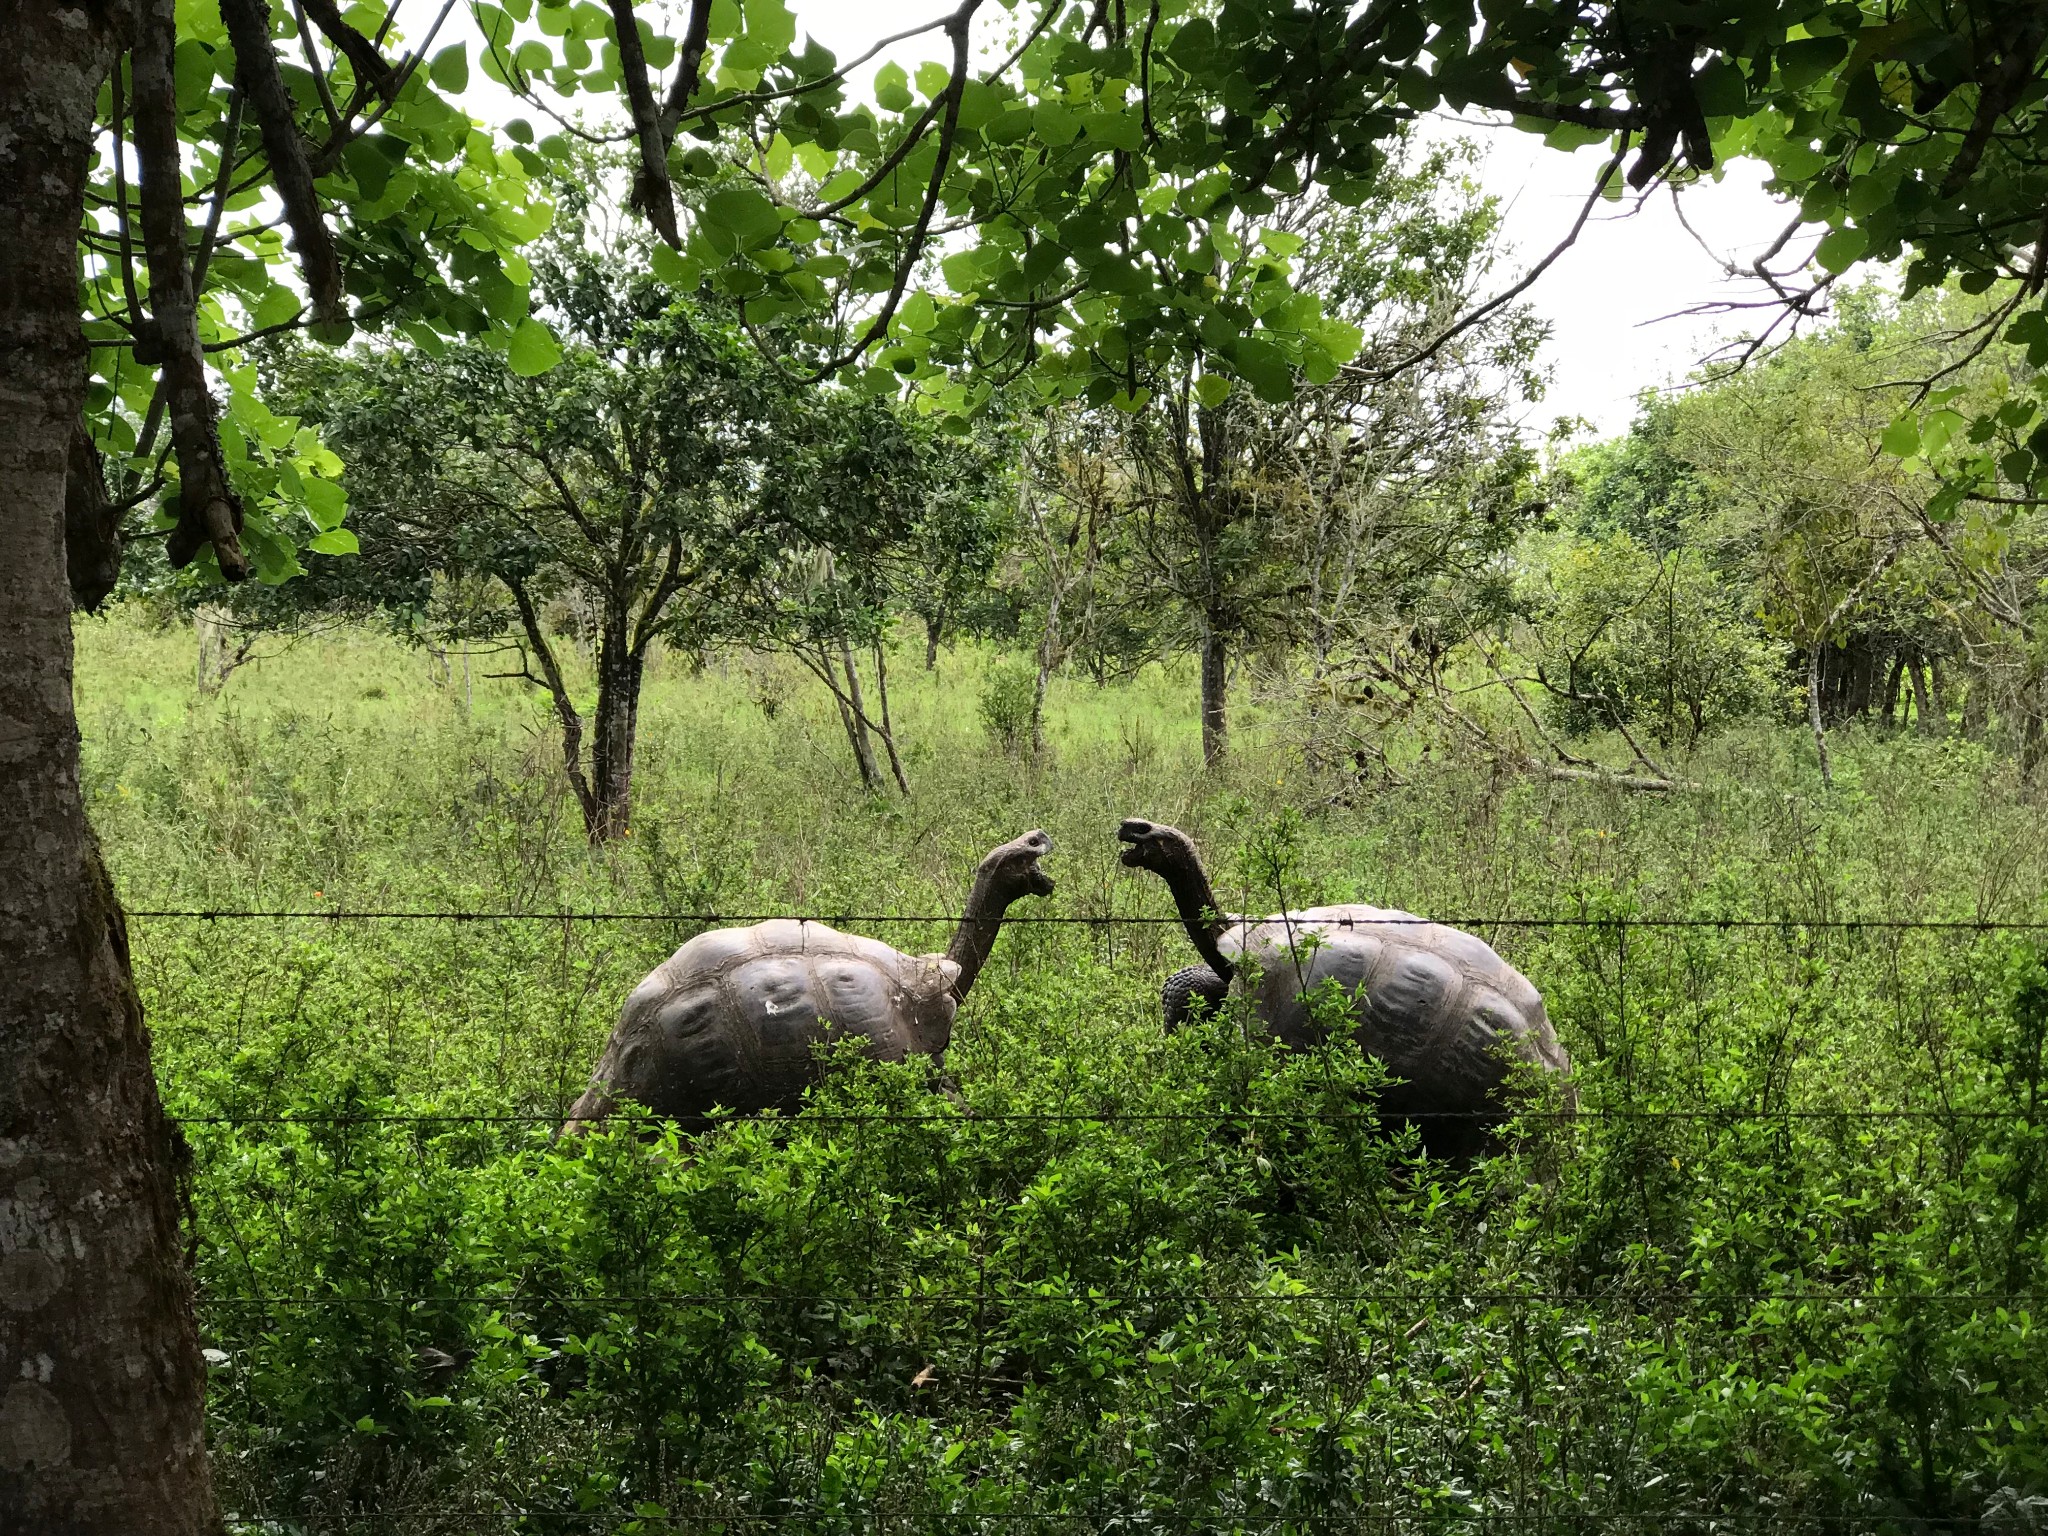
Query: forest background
[(1700, 700), (618, 584)]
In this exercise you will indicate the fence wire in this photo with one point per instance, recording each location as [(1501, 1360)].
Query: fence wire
[(1065, 919)]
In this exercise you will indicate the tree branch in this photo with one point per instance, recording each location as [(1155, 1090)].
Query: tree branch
[(208, 509), (652, 194), (315, 67), (370, 65), (1501, 300), (565, 707), (957, 29), (689, 68), (92, 525), (256, 72)]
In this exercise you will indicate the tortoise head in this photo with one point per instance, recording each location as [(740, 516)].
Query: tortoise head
[(1012, 867), (1164, 850)]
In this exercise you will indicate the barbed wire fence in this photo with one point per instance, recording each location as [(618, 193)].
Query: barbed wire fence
[(1650, 1304)]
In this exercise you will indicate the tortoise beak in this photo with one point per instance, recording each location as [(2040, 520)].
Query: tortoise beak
[(1036, 845), (1138, 832)]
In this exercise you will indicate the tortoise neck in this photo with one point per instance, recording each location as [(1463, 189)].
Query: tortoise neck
[(979, 925), (1199, 914)]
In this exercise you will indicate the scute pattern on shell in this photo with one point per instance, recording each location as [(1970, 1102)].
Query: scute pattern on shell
[(1443, 1011), (733, 1018)]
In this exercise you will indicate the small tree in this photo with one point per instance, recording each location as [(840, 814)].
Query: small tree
[(1625, 637), (1287, 506), (649, 481), (900, 512)]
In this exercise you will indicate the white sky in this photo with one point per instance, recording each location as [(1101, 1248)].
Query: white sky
[(1606, 298)]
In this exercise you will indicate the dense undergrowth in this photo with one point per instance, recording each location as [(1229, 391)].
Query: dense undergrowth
[(1783, 1269)]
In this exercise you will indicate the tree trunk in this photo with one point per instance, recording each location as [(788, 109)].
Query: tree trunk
[(932, 625), (2033, 723), (1813, 714), (857, 723), (1048, 645), (888, 730), (1976, 686), (101, 1382), (221, 651), (565, 707), (209, 640), (1923, 711), (1860, 672), (620, 671), (1937, 699), (1215, 698), (1892, 682)]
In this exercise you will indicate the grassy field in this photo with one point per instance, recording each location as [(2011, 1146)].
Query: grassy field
[(1781, 1270)]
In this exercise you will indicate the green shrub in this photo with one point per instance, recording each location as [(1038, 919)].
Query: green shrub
[(1631, 638), (1009, 697)]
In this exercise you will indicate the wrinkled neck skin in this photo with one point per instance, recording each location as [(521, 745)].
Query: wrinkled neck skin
[(979, 925), (1199, 913)]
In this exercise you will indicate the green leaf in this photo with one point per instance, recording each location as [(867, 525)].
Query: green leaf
[(816, 160), (277, 305), (1263, 366), (932, 78), (1118, 130), (962, 271), (1902, 438), (534, 349), (892, 89), (1212, 389), (770, 24), (335, 541), (979, 102), (672, 267), (1056, 125), (450, 70), (193, 70), (918, 313), (326, 502), (739, 219), (1941, 506), (1839, 248)]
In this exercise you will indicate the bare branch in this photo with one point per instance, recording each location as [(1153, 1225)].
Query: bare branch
[(315, 67), (957, 29), (1501, 300), (558, 690), (689, 70)]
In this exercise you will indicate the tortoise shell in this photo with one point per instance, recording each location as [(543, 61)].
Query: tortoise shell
[(1438, 1006), (733, 1019)]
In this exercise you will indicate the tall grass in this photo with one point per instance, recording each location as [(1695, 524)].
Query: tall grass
[(1780, 1270)]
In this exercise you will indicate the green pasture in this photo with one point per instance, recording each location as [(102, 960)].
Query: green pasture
[(1782, 1271)]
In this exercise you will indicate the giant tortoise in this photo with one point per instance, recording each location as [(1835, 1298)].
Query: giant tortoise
[(734, 1018), (1447, 1015)]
